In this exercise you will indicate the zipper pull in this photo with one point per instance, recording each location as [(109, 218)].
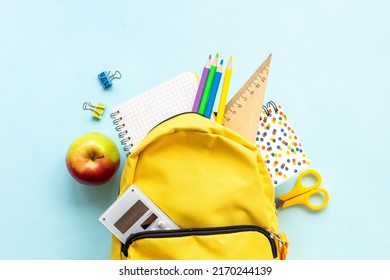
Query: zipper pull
[(282, 244)]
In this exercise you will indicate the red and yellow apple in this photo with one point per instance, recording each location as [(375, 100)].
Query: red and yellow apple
[(92, 159)]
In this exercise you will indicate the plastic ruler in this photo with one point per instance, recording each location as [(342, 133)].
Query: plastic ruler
[(242, 113)]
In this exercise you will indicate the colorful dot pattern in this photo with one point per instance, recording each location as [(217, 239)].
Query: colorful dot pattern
[(279, 146)]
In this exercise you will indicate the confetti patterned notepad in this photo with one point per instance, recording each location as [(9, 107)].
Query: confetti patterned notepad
[(134, 118), (279, 145)]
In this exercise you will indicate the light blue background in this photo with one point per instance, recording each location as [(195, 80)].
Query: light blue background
[(330, 71)]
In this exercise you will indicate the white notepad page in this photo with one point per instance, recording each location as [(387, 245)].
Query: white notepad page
[(135, 117)]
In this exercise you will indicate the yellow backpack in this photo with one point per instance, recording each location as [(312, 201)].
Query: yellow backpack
[(213, 184)]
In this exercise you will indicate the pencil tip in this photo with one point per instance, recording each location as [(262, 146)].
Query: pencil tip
[(217, 55), (221, 62), (230, 58), (210, 56)]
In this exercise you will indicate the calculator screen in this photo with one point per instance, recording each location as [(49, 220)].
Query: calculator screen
[(131, 216)]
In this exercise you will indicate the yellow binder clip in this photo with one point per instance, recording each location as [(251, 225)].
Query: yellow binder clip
[(97, 110)]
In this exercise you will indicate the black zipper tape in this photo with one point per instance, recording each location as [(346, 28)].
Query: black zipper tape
[(174, 116), (197, 231)]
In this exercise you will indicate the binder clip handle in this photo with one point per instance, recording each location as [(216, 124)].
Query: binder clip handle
[(114, 76)]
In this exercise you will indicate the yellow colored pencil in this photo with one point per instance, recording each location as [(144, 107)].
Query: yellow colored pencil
[(224, 92)]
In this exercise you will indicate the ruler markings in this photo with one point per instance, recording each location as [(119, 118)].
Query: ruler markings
[(243, 110)]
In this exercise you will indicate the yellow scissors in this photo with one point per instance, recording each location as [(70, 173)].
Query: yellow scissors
[(301, 194)]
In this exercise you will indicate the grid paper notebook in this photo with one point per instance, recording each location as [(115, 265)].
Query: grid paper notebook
[(279, 145), (134, 118)]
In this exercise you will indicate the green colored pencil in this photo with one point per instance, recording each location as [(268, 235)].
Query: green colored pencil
[(207, 88)]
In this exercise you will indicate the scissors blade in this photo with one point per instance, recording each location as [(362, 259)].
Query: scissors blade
[(278, 203)]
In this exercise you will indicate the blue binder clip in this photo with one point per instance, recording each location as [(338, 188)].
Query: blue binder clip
[(107, 77)]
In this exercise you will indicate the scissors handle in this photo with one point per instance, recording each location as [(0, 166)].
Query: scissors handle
[(301, 194), (304, 199), (299, 188)]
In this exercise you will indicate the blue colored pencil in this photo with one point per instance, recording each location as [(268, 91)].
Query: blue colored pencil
[(214, 90)]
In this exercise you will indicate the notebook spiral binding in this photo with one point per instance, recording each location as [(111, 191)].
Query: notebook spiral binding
[(122, 132), (269, 105)]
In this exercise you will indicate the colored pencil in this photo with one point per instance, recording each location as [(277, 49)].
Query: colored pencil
[(224, 92), (206, 92), (202, 83), (214, 90)]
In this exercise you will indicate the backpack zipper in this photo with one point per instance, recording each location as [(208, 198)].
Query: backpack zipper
[(199, 231)]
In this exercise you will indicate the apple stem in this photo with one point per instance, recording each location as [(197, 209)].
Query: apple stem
[(93, 158)]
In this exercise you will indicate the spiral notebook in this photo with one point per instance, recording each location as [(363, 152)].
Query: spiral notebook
[(279, 144), (134, 118)]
